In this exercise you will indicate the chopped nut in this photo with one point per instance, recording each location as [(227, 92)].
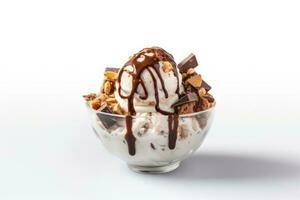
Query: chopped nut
[(117, 109), (209, 97), (111, 100), (110, 76), (90, 96), (205, 104), (167, 67), (198, 106), (186, 108), (190, 71), (95, 104), (102, 97), (112, 95), (107, 87), (195, 81), (201, 92)]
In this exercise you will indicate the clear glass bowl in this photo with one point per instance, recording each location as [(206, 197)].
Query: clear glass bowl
[(152, 152)]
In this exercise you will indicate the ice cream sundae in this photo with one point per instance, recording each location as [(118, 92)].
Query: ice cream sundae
[(152, 112)]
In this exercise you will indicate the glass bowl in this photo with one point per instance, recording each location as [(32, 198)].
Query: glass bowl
[(152, 149)]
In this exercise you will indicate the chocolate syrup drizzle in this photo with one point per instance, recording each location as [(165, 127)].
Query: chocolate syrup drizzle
[(151, 58), (129, 137), (173, 125)]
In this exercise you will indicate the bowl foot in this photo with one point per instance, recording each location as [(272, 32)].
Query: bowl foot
[(155, 169)]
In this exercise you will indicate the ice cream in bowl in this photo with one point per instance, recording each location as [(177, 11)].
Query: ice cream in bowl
[(152, 113)]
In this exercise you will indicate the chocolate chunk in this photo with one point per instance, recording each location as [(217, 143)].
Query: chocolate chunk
[(187, 98), (190, 88), (107, 121), (152, 146), (205, 86), (112, 69), (187, 63)]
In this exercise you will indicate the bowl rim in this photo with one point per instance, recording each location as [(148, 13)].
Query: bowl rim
[(134, 116)]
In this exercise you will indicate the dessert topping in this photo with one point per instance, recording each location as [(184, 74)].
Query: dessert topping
[(106, 120), (205, 86), (187, 63), (187, 98), (167, 67), (90, 96), (195, 81)]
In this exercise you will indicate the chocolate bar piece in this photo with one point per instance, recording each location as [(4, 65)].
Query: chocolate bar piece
[(187, 98), (112, 69), (205, 86), (107, 121), (187, 63)]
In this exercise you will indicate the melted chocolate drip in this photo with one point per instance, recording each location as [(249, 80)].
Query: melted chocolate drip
[(173, 125), (156, 95), (148, 63), (129, 137), (148, 59), (145, 91)]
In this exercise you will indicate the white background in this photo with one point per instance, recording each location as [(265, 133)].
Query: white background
[(52, 52)]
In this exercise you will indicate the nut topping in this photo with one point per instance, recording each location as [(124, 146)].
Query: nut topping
[(195, 81), (107, 87), (167, 67), (90, 96)]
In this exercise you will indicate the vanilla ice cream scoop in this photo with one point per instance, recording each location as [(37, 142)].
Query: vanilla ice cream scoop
[(149, 82)]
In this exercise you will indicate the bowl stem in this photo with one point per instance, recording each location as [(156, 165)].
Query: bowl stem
[(155, 169)]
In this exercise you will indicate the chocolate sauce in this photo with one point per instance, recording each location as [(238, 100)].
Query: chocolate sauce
[(173, 125), (129, 137), (149, 63), (145, 91), (156, 96), (148, 59)]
